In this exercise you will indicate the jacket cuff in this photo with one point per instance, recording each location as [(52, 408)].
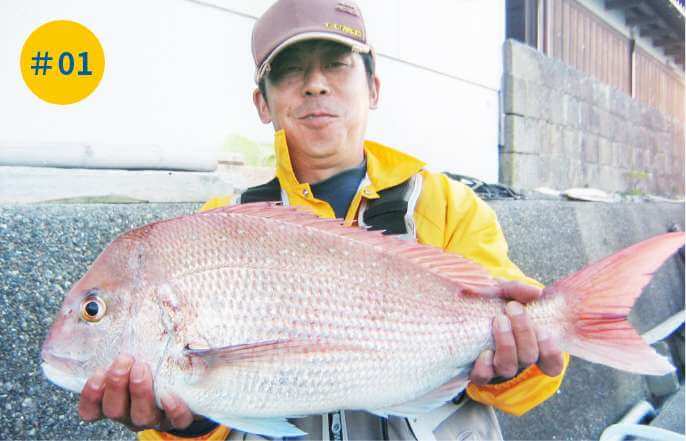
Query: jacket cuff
[(520, 394), (196, 429), (205, 430)]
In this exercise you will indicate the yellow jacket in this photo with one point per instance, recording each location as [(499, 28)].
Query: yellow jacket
[(447, 215)]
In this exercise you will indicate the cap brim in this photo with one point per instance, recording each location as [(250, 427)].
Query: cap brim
[(356, 45)]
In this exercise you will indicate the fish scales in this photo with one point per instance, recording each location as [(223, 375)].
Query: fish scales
[(333, 303)]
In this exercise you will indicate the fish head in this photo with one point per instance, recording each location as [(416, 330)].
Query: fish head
[(94, 323)]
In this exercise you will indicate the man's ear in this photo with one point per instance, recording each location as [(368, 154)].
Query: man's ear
[(374, 92), (261, 105)]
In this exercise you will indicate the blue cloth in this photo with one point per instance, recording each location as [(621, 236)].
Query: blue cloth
[(339, 190)]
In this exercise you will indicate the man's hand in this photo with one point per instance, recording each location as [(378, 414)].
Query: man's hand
[(124, 393), (517, 343)]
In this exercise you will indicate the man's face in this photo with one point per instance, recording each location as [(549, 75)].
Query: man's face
[(319, 93)]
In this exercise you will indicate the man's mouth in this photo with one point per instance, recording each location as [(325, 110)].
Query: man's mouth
[(315, 115), (317, 120)]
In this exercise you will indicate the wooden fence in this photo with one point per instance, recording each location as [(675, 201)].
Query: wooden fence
[(570, 32)]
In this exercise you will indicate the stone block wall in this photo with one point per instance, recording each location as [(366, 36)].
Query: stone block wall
[(564, 129)]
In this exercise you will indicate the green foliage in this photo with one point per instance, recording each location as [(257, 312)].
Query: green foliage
[(253, 153), (638, 175), (638, 181)]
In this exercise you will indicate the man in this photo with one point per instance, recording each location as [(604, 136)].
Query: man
[(316, 84)]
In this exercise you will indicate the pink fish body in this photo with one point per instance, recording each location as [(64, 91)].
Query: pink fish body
[(255, 313)]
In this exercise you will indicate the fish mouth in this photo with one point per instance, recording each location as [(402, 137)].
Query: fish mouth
[(65, 380), (63, 370), (62, 362)]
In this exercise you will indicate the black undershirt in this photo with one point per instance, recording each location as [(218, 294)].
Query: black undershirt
[(339, 189)]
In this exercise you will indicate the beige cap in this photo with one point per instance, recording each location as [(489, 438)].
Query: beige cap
[(290, 21)]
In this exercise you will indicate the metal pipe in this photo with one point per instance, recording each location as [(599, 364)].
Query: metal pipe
[(619, 431), (638, 413), (635, 415), (665, 329)]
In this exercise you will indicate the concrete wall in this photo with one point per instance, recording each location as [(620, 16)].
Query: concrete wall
[(563, 129), (45, 248), (179, 74)]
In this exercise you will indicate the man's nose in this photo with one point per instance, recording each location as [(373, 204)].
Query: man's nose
[(315, 83)]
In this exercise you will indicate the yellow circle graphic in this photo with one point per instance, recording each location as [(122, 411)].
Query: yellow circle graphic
[(62, 62)]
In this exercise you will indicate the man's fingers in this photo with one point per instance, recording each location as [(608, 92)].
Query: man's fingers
[(519, 292), (144, 411), (550, 360), (483, 372), (507, 290), (482, 291), (505, 357), (115, 402), (524, 334), (91, 397), (177, 412)]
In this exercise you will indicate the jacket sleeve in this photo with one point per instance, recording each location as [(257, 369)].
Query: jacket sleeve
[(217, 202), (472, 230), (204, 430)]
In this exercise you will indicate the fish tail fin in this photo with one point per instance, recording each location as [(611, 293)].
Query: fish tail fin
[(600, 297)]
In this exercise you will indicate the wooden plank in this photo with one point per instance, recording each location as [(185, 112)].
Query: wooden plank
[(595, 63), (583, 42), (613, 62), (632, 72), (573, 35), (649, 84), (653, 85), (619, 79), (624, 67), (603, 57), (588, 53), (627, 67), (577, 39), (557, 6), (566, 57), (680, 101), (639, 75)]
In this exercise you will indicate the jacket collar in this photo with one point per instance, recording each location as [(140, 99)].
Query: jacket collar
[(386, 167)]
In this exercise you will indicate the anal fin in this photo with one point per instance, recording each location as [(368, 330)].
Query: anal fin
[(430, 401), (273, 427)]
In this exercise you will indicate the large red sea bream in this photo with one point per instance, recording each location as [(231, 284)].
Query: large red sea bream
[(255, 313)]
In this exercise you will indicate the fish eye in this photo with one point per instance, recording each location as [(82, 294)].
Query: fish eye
[(93, 308)]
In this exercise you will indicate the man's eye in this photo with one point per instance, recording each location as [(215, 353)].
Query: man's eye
[(335, 64), (289, 69)]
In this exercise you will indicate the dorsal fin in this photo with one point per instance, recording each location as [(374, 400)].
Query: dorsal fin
[(450, 267)]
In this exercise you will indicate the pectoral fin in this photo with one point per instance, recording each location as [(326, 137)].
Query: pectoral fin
[(244, 352)]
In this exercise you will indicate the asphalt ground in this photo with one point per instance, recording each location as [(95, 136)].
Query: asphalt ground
[(46, 248)]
